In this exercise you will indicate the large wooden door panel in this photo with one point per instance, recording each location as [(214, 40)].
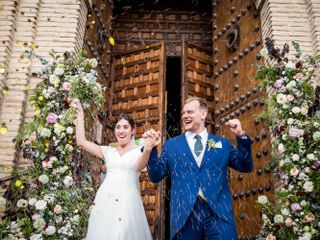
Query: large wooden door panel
[(197, 68), (237, 95), (138, 89)]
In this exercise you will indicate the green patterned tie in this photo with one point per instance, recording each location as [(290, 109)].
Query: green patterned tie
[(198, 145)]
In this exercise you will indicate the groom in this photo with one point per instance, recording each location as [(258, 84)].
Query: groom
[(197, 162)]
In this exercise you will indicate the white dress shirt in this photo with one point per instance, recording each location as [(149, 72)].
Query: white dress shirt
[(190, 136)]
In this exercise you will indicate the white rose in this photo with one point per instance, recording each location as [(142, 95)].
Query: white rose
[(263, 199), (54, 80), (69, 130), (281, 148), (278, 218), (48, 198), (58, 129), (68, 181), (76, 219), (290, 65), (281, 99), (305, 236), (316, 136), (290, 121), (51, 90), (285, 106), (302, 176), (53, 159), (45, 132), (44, 179), (308, 186), (285, 211), (303, 203), (22, 203), (39, 224), (296, 110), (291, 84), (295, 157), (50, 230), (311, 156), (41, 205), (32, 201), (59, 71)]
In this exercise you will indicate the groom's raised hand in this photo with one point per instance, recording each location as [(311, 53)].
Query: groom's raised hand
[(152, 134), (235, 126), (152, 138)]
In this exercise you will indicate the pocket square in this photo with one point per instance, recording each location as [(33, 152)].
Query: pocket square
[(218, 145)]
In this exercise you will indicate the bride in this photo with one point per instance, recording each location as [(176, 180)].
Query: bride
[(118, 213)]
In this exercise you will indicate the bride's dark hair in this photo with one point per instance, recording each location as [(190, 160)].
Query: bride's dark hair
[(127, 117)]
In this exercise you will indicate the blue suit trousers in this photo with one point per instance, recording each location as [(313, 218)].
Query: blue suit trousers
[(204, 224)]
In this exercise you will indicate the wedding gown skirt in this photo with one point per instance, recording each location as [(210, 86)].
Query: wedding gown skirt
[(118, 213)]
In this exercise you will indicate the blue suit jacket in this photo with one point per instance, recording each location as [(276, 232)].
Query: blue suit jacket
[(186, 177)]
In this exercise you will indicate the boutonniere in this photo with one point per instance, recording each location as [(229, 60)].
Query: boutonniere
[(213, 145)]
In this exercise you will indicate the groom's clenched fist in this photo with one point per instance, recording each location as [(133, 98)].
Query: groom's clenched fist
[(235, 126)]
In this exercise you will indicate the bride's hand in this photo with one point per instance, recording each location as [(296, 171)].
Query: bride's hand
[(76, 104), (151, 138)]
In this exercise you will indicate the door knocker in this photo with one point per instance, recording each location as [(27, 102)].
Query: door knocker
[(233, 38)]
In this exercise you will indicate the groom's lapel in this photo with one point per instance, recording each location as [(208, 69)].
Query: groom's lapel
[(208, 154), (185, 146)]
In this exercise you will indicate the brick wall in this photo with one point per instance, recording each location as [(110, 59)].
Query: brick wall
[(292, 20), (47, 24)]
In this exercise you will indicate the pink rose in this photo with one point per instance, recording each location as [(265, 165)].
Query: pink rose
[(299, 75), (294, 172), (290, 98), (306, 170), (74, 103), (35, 217), (295, 207), (309, 217), (57, 209), (288, 222), (47, 164), (66, 86), (278, 83), (52, 118), (294, 132)]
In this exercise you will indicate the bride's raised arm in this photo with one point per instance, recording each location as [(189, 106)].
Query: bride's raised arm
[(151, 139), (82, 142)]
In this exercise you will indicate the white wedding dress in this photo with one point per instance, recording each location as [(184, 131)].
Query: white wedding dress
[(118, 213)]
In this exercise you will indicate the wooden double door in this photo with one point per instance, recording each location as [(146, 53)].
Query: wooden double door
[(151, 85)]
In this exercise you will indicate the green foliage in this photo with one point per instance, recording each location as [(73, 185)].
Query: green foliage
[(51, 199), (295, 155)]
